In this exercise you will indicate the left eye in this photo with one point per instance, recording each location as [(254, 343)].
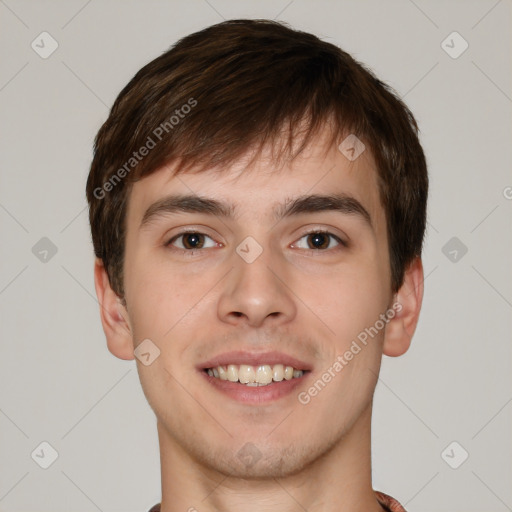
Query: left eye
[(319, 240), (191, 240)]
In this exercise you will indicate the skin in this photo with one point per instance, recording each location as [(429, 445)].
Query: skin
[(309, 303)]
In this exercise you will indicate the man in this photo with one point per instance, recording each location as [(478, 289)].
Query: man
[(257, 206)]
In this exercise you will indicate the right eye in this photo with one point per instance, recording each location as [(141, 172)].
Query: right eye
[(190, 240)]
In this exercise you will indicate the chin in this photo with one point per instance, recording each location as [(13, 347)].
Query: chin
[(263, 461)]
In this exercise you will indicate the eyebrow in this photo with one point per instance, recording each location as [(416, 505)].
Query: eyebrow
[(188, 203)]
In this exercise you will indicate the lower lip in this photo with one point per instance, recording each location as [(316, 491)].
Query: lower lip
[(256, 394)]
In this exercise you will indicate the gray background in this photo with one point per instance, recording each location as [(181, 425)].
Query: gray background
[(60, 384)]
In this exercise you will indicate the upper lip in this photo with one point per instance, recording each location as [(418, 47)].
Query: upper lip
[(254, 359)]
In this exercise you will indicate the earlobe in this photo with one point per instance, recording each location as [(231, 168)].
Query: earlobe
[(114, 316), (407, 306)]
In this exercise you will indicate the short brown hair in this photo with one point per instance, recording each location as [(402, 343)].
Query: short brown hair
[(239, 84)]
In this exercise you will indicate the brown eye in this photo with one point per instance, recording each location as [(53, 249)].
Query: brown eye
[(319, 240), (191, 240)]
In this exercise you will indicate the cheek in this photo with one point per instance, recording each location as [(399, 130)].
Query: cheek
[(166, 304), (156, 299), (349, 300)]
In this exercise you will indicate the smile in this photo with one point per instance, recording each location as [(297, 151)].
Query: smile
[(260, 375)]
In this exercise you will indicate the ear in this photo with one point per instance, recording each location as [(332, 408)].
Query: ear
[(407, 306), (114, 315)]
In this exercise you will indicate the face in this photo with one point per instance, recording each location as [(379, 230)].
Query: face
[(262, 279)]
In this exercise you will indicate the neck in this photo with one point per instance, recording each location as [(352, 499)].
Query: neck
[(339, 480)]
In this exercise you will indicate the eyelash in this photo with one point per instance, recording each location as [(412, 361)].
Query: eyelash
[(190, 252)]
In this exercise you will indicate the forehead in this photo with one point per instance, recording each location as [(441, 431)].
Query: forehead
[(262, 187)]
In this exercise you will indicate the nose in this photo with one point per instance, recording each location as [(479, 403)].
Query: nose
[(257, 293)]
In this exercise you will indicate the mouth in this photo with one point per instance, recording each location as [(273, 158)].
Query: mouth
[(255, 378)]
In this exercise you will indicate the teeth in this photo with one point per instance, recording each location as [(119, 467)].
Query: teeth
[(255, 375), (232, 373), (246, 374), (264, 374), (278, 373)]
